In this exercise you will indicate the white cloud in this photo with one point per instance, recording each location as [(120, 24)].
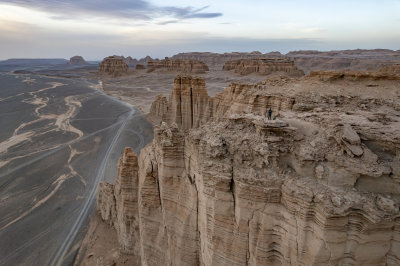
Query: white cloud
[(313, 30)]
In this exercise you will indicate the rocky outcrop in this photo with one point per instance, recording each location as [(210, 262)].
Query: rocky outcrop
[(187, 66), (118, 203), (216, 61), (222, 185), (130, 61), (140, 67), (113, 66), (263, 66), (384, 73), (133, 62), (77, 60), (189, 104), (359, 60), (159, 109)]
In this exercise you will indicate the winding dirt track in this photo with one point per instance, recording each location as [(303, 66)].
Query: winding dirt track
[(58, 257)]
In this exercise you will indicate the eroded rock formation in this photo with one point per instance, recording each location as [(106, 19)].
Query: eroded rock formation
[(77, 60), (113, 66), (216, 61), (384, 73), (263, 66), (222, 185), (359, 59), (187, 66), (118, 204)]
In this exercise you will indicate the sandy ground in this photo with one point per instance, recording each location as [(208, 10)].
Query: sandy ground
[(59, 138)]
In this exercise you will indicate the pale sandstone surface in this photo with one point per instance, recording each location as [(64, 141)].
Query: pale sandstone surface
[(180, 65), (263, 66), (222, 185), (113, 66)]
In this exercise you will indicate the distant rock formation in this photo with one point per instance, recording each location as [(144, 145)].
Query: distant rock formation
[(216, 61), (140, 67), (77, 60), (133, 62), (222, 185), (359, 59), (130, 61), (188, 66), (263, 66), (144, 61), (113, 66), (384, 73)]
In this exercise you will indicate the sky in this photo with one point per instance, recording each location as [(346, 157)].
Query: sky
[(99, 28)]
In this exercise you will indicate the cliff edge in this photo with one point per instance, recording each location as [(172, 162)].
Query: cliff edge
[(221, 184)]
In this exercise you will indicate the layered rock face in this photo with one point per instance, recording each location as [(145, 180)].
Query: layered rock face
[(222, 185), (263, 66), (77, 60), (216, 61), (118, 204), (360, 60), (188, 66), (113, 66), (384, 73)]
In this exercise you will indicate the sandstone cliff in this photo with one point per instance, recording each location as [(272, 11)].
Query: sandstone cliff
[(113, 66), (222, 185), (359, 59), (216, 61), (187, 66), (263, 66), (77, 60)]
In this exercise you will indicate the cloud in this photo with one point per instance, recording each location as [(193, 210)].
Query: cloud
[(127, 9), (168, 22), (313, 30)]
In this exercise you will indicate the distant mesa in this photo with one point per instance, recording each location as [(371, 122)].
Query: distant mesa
[(358, 59), (391, 72), (216, 61), (114, 66), (263, 66), (77, 60), (180, 65)]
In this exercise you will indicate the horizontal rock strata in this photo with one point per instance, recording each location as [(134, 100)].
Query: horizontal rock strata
[(216, 61), (263, 66), (113, 66), (223, 185), (187, 66)]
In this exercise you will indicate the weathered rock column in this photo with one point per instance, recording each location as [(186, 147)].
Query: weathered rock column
[(126, 198)]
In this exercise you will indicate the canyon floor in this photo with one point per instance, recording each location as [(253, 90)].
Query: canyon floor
[(60, 137)]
